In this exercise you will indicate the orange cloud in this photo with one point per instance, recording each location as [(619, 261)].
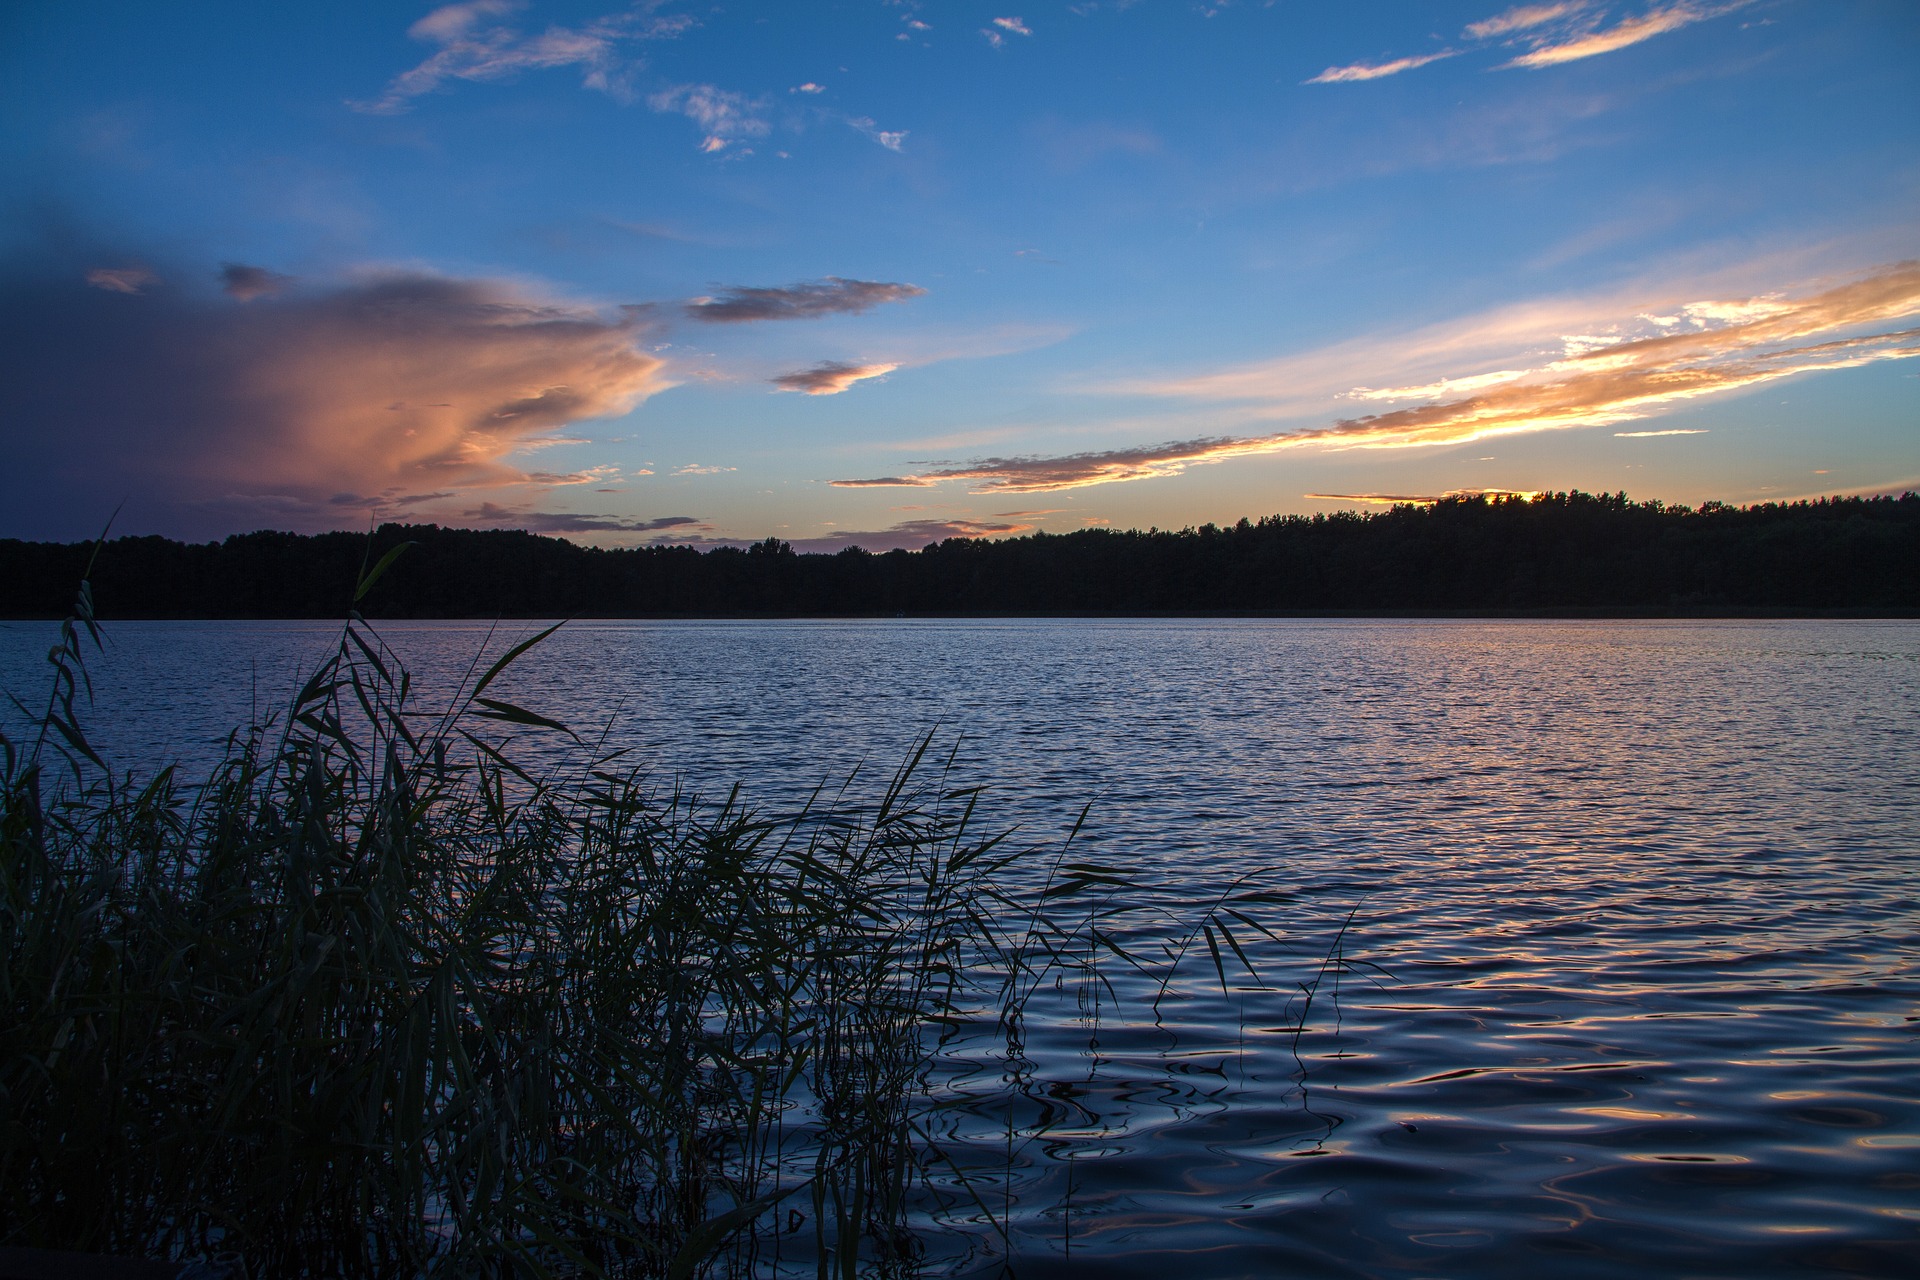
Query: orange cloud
[(1566, 31), (1629, 31), (393, 390), (1707, 348), (1522, 18), (1374, 71), (414, 379)]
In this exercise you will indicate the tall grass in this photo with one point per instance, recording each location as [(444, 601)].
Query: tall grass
[(373, 1000)]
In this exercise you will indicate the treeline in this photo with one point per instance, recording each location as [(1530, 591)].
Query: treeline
[(1561, 551)]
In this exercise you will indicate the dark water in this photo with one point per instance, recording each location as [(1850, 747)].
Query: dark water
[(1633, 935)]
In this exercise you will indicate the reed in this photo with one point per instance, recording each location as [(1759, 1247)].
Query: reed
[(374, 1000)]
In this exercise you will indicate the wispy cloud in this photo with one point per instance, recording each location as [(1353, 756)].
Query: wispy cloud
[(891, 139), (886, 482), (996, 35), (510, 517), (1628, 31), (724, 117), (474, 44), (1644, 366), (1522, 18), (1420, 500), (122, 279), (830, 377), (911, 535), (245, 283), (1376, 70), (834, 295), (1550, 34), (695, 469), (1674, 431)]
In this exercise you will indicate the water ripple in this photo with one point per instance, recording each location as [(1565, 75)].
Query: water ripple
[(1633, 975)]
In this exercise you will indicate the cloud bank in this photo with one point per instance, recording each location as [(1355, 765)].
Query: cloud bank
[(386, 391), (1652, 363), (807, 301)]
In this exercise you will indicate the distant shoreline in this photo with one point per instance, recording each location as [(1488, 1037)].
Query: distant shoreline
[(1557, 555)]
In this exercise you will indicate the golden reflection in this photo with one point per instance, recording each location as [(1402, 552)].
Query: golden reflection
[(1629, 1113)]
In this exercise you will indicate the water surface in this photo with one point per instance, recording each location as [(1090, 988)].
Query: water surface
[(1630, 910)]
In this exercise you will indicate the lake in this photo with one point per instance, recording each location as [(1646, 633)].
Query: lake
[(1623, 914)]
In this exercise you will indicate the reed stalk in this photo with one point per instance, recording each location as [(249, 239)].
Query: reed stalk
[(376, 1001)]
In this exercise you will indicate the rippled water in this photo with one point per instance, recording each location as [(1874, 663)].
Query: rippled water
[(1632, 910)]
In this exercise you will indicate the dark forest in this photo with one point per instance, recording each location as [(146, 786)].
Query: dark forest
[(1560, 552)]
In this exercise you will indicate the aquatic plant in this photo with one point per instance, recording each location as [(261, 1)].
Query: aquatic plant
[(375, 1000)]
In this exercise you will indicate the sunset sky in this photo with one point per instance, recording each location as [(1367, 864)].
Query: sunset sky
[(888, 271)]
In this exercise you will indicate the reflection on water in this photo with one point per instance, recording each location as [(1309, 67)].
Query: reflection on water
[(1630, 979)]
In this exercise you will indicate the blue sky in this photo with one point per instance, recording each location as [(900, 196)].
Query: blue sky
[(888, 272)]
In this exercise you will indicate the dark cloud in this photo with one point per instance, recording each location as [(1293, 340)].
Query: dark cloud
[(1420, 500), (494, 514), (206, 416), (830, 377), (910, 535), (885, 482), (806, 301), (237, 280)]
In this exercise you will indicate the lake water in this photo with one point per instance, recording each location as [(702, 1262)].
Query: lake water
[(1633, 949)]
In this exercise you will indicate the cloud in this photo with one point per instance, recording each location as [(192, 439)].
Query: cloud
[(121, 279), (1421, 500), (489, 513), (1676, 431), (247, 283), (830, 377), (1628, 31), (886, 482), (806, 301), (473, 46), (1597, 381), (1376, 70), (385, 386), (996, 35), (602, 474), (1522, 18), (891, 139), (1556, 33), (695, 469), (723, 115), (910, 535), (808, 87)]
